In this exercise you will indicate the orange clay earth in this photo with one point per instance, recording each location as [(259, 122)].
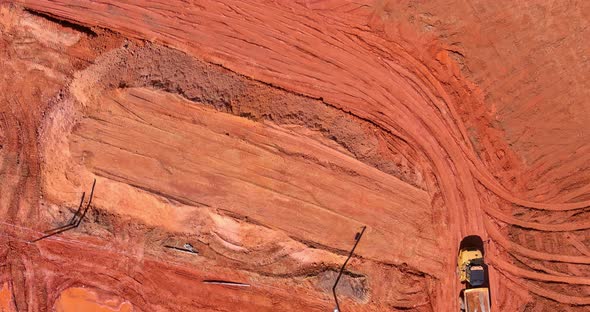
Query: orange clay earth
[(238, 146), (6, 304), (82, 299)]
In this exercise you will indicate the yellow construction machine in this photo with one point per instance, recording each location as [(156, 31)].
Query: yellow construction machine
[(472, 272)]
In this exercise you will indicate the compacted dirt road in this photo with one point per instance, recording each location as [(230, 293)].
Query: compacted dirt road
[(238, 146)]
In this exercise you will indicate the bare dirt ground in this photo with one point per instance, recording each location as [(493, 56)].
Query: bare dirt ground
[(265, 134)]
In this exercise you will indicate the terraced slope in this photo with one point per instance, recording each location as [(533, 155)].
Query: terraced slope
[(266, 134)]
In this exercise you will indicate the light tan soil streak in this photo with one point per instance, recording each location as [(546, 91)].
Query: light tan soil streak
[(317, 118)]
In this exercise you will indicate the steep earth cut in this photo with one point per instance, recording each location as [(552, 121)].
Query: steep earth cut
[(238, 147)]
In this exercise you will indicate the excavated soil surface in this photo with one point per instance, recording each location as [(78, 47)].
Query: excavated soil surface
[(238, 147)]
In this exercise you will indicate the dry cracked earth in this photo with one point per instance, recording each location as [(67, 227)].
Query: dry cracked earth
[(238, 146)]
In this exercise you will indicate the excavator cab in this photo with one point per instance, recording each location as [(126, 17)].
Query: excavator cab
[(475, 273)]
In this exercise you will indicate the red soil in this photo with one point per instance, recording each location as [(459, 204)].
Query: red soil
[(265, 134)]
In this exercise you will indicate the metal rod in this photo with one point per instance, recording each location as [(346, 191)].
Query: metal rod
[(357, 238), (88, 205), (62, 229), (73, 219), (59, 228), (74, 222), (182, 249), (225, 283)]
